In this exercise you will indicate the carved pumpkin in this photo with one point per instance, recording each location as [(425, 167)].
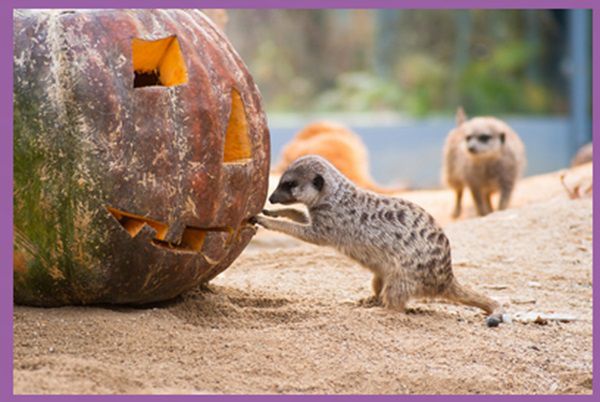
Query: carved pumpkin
[(140, 152)]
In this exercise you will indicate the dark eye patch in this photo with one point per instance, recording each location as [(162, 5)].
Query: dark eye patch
[(484, 138), (319, 182), (288, 185)]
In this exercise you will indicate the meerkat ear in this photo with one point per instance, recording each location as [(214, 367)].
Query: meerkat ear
[(318, 182), (502, 137), (461, 116)]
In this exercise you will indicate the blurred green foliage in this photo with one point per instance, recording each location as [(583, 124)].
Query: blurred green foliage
[(416, 62)]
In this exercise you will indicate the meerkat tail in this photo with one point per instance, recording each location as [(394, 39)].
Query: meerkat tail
[(457, 293)]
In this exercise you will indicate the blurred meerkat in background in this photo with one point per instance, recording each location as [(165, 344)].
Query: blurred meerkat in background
[(340, 146), (485, 155), (583, 155)]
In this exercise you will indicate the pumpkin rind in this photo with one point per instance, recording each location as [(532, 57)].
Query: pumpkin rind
[(93, 155)]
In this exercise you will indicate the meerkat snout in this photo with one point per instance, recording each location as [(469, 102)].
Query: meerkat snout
[(283, 194)]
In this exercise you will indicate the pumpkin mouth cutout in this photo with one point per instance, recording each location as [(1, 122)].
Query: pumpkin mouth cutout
[(158, 62), (237, 141), (191, 240)]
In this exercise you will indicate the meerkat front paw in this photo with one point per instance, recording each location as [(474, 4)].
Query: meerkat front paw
[(261, 221)]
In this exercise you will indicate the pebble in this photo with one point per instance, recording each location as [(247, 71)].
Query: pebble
[(492, 321)]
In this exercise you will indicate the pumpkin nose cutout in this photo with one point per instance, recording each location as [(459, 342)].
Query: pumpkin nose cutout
[(237, 142)]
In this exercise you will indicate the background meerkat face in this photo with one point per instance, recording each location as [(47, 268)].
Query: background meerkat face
[(481, 138), (483, 142)]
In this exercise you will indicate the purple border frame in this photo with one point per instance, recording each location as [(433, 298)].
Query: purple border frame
[(6, 155)]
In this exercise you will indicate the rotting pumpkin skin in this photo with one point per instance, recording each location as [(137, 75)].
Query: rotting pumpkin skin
[(124, 194)]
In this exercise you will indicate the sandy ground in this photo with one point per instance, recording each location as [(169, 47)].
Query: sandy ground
[(283, 319)]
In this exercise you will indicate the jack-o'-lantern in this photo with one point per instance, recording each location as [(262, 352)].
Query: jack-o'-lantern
[(140, 152)]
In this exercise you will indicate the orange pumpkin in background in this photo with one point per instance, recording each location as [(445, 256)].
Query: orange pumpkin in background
[(140, 152)]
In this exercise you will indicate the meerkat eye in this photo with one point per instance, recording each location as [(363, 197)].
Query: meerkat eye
[(318, 182), (484, 138)]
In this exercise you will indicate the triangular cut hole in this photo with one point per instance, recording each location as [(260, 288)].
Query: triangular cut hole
[(237, 142), (158, 63), (134, 223), (193, 239)]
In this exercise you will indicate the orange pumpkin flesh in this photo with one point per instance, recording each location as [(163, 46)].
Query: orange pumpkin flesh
[(237, 143)]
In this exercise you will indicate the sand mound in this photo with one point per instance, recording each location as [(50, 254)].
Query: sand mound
[(283, 319)]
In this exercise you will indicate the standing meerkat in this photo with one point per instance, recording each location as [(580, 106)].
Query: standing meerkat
[(398, 241), (485, 155)]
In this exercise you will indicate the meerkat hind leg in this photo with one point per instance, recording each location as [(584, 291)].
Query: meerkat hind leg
[(488, 201), (458, 203), (480, 203), (375, 299), (394, 295), (505, 194)]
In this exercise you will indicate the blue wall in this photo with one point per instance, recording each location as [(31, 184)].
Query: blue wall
[(410, 150)]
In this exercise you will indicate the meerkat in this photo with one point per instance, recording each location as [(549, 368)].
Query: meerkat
[(340, 146), (584, 155), (398, 241), (485, 155)]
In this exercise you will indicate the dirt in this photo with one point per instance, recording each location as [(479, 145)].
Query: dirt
[(284, 319)]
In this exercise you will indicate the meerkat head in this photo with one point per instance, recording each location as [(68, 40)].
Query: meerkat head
[(307, 180), (482, 137)]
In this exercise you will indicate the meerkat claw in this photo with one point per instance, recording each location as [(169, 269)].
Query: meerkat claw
[(368, 302)]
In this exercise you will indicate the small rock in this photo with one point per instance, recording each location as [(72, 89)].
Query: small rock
[(523, 301), (493, 321), (496, 287), (534, 284)]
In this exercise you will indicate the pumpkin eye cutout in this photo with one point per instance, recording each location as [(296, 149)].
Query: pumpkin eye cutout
[(158, 63), (237, 142)]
